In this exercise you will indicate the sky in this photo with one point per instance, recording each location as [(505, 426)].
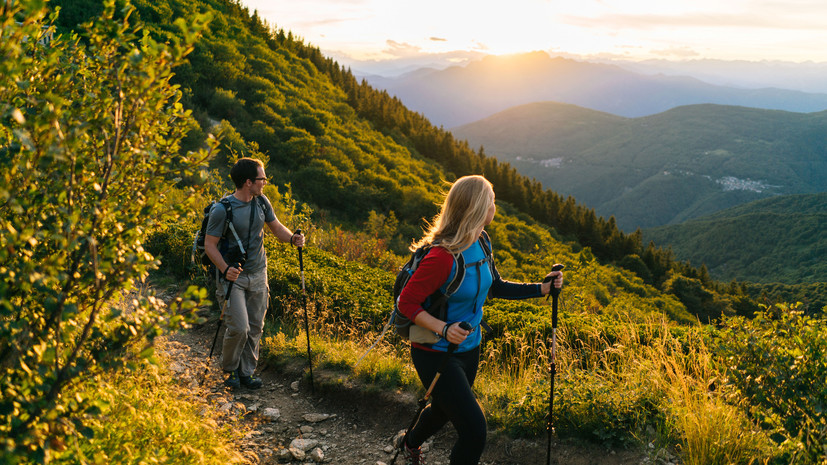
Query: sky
[(382, 30)]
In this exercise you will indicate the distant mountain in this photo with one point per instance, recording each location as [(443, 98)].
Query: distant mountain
[(662, 169), (806, 77), (780, 239), (460, 95)]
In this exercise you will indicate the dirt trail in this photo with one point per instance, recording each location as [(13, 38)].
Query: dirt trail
[(345, 426)]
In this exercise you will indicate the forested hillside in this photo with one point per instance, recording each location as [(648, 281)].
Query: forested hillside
[(350, 150), (781, 239), (107, 139), (661, 169)]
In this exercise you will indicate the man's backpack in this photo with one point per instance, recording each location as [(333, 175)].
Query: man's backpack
[(436, 303), (199, 253)]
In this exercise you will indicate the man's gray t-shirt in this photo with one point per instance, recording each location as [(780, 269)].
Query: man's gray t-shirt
[(254, 243)]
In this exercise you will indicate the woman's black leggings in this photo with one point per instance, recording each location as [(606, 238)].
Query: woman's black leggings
[(452, 400)]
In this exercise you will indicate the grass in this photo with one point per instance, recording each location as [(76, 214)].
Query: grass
[(651, 378), (150, 418)]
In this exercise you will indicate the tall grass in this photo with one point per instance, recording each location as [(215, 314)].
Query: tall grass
[(612, 390), (149, 418)]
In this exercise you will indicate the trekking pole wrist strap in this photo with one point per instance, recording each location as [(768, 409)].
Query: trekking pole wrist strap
[(445, 331), (224, 274), (291, 239)]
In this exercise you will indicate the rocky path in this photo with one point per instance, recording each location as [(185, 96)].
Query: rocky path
[(287, 423)]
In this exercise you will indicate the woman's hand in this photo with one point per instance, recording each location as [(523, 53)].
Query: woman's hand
[(454, 334), (557, 280)]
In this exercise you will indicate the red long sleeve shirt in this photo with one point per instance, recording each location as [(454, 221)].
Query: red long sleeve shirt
[(430, 275)]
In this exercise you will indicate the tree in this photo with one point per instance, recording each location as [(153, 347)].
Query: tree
[(90, 133)]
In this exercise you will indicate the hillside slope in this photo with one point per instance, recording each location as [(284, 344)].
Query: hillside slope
[(660, 169), (780, 239)]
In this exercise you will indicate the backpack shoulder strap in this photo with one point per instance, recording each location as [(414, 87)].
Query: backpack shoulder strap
[(485, 243), (228, 222), (228, 207), (459, 275), (262, 204)]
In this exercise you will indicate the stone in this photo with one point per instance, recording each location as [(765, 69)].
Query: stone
[(271, 414), (297, 454), (317, 455), (284, 455), (303, 444), (317, 417)]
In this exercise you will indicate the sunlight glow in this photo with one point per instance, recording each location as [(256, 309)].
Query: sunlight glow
[(794, 30)]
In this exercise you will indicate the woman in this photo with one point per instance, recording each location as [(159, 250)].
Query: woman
[(467, 209)]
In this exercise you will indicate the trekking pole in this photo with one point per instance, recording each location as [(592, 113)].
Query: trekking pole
[(306, 320), (221, 317), (424, 400), (554, 293)]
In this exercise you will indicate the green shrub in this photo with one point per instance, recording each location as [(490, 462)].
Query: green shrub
[(90, 149), (777, 363)]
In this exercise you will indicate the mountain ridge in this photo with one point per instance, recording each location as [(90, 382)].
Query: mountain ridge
[(660, 169), (459, 95)]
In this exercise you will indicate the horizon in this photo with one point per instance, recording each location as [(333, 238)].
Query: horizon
[(365, 33)]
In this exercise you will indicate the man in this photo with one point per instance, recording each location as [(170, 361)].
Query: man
[(247, 302)]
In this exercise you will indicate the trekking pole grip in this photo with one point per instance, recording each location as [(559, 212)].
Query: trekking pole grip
[(235, 265), (554, 293), (452, 347), (301, 265)]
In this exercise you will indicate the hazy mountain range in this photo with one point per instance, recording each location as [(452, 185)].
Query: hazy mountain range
[(463, 94), (661, 169), (806, 77)]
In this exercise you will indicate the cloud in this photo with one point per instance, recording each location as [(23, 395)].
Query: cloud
[(479, 46), (676, 52), (438, 39), (401, 50)]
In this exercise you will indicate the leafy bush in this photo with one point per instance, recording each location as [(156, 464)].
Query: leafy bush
[(777, 363), (90, 138)]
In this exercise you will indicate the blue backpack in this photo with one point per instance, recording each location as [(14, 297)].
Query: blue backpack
[(436, 303)]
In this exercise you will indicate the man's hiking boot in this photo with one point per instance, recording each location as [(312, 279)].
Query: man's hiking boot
[(250, 382), (411, 456), (232, 381)]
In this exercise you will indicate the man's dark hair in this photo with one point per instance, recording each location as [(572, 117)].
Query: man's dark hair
[(244, 169)]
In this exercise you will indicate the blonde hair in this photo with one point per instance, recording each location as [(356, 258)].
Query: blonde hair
[(462, 215)]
